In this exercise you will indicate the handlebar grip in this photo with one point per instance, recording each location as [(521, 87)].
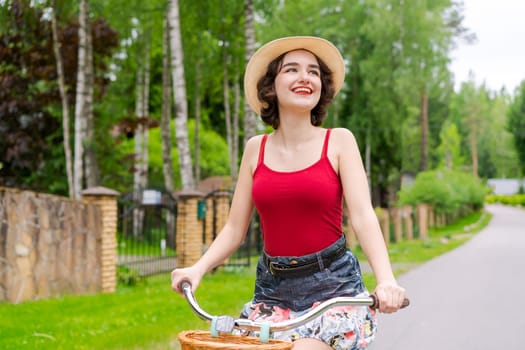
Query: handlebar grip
[(375, 304), (183, 284)]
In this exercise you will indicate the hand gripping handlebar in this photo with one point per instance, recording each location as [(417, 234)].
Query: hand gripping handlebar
[(226, 324)]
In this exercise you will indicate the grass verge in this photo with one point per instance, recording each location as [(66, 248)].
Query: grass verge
[(150, 315)]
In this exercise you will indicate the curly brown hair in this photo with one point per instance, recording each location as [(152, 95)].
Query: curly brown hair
[(266, 93)]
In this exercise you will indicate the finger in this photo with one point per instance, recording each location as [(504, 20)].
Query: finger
[(175, 283)]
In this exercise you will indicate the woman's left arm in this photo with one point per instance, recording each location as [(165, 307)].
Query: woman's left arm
[(363, 218)]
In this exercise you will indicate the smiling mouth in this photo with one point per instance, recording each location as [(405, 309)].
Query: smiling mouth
[(302, 90)]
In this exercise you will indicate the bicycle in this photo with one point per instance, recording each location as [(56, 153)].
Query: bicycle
[(221, 327)]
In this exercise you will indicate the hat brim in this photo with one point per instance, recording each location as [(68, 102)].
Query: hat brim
[(258, 63)]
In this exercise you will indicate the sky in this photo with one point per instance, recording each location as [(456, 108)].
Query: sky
[(498, 56)]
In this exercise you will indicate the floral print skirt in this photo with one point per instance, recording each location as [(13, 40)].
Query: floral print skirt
[(342, 327)]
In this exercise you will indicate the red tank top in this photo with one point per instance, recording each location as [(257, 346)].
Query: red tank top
[(300, 211)]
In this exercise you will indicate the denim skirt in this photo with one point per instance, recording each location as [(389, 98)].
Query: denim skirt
[(278, 299)]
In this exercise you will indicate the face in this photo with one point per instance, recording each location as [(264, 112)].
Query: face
[(298, 82)]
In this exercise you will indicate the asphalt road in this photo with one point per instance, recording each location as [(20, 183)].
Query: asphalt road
[(472, 298)]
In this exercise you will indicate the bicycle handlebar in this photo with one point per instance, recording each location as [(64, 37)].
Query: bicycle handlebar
[(227, 324)]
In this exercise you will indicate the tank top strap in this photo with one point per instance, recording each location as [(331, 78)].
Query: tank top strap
[(325, 145), (261, 149)]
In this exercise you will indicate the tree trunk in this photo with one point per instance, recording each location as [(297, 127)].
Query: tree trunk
[(226, 103), (165, 127), (140, 178), (474, 147), (145, 114), (139, 140), (424, 131), (235, 136), (91, 163), (179, 94), (250, 118), (80, 101), (198, 83), (65, 103)]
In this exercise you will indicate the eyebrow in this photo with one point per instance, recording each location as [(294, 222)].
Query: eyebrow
[(316, 66)]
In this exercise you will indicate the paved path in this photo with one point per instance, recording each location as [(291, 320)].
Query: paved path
[(472, 298)]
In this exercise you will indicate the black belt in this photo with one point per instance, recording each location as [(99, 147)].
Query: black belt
[(296, 269)]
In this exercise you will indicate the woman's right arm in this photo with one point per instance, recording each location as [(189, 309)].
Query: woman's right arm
[(233, 233)]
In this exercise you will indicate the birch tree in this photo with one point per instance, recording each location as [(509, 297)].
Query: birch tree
[(179, 94), (90, 157), (250, 119), (165, 125), (82, 95), (64, 99), (140, 176)]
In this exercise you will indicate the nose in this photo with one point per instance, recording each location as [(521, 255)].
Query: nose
[(303, 77)]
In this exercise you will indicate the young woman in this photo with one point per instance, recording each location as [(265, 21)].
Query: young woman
[(297, 178)]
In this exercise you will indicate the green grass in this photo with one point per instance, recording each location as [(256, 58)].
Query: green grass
[(131, 246), (150, 315), (134, 317)]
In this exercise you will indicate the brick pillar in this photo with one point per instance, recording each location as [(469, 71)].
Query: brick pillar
[(409, 225), (395, 213), (384, 222), (106, 199), (431, 217), (189, 228), (222, 207), (422, 221), (218, 208), (210, 222)]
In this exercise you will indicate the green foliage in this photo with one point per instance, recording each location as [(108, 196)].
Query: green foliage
[(449, 151), (129, 277), (516, 123), (447, 191), (213, 152), (515, 199), (480, 118), (32, 148), (395, 52)]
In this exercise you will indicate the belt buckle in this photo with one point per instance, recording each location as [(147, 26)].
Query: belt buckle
[(272, 267)]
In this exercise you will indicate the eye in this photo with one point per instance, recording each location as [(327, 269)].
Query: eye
[(290, 69), (315, 72)]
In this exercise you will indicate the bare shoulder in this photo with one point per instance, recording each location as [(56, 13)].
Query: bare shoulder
[(343, 138), (253, 144), (251, 152)]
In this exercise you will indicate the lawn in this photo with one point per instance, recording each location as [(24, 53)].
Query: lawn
[(149, 315)]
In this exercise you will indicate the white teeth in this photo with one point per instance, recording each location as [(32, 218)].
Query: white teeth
[(302, 90)]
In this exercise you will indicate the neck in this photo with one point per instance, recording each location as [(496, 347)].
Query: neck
[(290, 134)]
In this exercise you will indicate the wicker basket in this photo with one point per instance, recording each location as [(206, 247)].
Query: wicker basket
[(201, 340)]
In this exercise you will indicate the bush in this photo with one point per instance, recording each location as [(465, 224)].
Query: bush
[(129, 277), (516, 199), (447, 191)]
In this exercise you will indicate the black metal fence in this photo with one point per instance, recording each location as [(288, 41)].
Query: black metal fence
[(147, 233), (252, 244)]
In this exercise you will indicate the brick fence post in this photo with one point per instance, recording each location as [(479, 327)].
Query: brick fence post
[(189, 228), (384, 221), (222, 207), (422, 220), (398, 223), (217, 210), (106, 199), (407, 217)]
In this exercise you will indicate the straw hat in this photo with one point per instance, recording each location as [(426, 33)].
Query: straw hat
[(258, 63)]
